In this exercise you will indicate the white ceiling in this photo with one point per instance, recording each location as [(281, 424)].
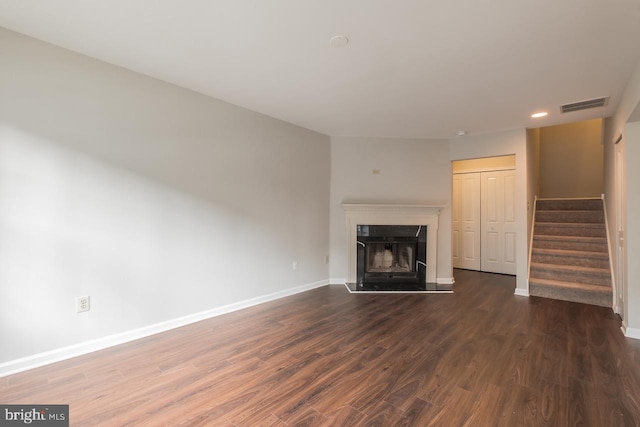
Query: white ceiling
[(415, 69)]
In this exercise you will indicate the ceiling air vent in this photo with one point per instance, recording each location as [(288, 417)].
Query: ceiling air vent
[(583, 105)]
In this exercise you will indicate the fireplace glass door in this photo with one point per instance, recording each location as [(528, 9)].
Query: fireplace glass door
[(391, 256)]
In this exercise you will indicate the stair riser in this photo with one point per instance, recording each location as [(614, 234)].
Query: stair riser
[(570, 260), (567, 205), (570, 246), (596, 217), (585, 297), (557, 230), (570, 276)]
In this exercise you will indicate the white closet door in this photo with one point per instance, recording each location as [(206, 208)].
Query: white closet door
[(456, 223), (498, 229), (491, 221), (468, 219), (509, 222)]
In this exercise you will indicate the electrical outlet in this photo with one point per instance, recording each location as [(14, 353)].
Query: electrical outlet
[(295, 265), (326, 259), (83, 304)]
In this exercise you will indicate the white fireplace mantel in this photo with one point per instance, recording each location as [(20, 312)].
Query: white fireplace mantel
[(392, 214)]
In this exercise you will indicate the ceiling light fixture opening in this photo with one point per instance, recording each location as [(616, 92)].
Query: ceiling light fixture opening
[(540, 114), (339, 41)]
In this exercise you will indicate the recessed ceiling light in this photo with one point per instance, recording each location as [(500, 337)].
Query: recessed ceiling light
[(540, 114), (462, 132), (339, 41)]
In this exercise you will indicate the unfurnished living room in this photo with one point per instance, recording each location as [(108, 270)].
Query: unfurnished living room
[(301, 213)]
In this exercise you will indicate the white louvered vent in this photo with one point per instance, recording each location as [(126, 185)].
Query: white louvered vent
[(583, 105)]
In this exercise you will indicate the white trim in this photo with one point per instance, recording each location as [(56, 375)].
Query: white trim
[(614, 285), (391, 214), (521, 292), (338, 281), (533, 230), (445, 280), (59, 354), (631, 332), (487, 169)]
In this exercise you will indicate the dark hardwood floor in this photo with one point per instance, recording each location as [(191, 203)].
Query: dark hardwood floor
[(478, 357)]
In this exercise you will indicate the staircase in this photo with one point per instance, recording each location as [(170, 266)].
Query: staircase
[(570, 256)]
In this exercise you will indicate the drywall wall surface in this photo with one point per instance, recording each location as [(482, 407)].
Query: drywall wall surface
[(533, 175), (633, 227), (387, 170), (513, 142), (617, 210), (484, 164), (613, 202), (629, 106), (571, 160), (155, 201)]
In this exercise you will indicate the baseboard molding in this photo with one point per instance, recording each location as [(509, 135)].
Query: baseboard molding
[(57, 355), (337, 281), (631, 332), (521, 292)]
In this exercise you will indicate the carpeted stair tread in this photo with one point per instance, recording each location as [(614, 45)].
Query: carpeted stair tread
[(571, 243), (571, 268), (574, 216), (571, 224), (569, 291), (570, 257), (571, 253), (567, 210), (569, 204), (583, 239), (570, 285), (571, 273), (593, 229)]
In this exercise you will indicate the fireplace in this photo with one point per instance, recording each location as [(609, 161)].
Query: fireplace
[(391, 257), (359, 220)]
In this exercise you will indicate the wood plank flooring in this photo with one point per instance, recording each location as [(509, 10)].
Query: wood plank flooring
[(478, 357)]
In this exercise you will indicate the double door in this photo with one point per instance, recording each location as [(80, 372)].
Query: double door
[(483, 221)]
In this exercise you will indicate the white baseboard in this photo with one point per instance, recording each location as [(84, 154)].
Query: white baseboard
[(521, 292), (59, 354), (631, 332), (338, 281)]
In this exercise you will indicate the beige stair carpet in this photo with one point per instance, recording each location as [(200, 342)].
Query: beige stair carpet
[(570, 256)]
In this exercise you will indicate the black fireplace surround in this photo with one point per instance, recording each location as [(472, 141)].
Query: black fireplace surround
[(391, 258)]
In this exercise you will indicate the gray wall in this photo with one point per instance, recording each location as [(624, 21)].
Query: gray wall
[(154, 200), (412, 171)]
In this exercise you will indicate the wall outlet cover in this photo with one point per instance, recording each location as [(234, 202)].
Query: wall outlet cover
[(83, 304)]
